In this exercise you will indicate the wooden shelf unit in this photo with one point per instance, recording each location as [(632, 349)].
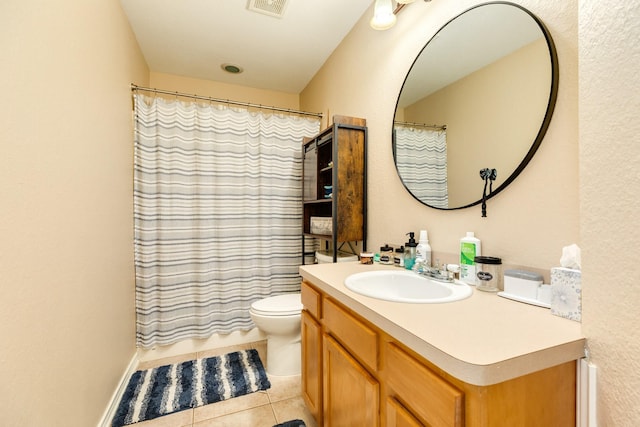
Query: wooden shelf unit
[(334, 161)]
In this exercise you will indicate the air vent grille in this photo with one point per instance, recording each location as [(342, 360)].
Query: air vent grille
[(268, 7)]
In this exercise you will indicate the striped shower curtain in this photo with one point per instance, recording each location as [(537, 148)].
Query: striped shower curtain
[(421, 160), (217, 205)]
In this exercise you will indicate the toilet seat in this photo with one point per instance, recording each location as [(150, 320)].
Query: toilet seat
[(279, 305)]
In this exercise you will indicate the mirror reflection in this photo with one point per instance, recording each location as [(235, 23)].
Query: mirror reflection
[(479, 95)]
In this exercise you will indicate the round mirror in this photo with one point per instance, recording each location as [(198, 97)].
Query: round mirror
[(479, 95)]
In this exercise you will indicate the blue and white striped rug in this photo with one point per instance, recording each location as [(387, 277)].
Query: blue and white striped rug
[(172, 388)]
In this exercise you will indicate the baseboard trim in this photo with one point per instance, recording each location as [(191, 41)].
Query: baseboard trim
[(110, 411), (189, 346)]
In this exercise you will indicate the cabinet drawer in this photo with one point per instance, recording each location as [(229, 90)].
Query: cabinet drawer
[(428, 396), (311, 299), (361, 340)]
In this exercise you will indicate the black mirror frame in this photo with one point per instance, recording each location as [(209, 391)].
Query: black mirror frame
[(553, 95)]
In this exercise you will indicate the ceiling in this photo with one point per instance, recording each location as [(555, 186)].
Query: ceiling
[(193, 38)]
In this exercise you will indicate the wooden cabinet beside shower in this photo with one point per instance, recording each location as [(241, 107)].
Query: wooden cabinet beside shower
[(334, 186)]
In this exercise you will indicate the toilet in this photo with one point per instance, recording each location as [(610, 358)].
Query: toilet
[(279, 318)]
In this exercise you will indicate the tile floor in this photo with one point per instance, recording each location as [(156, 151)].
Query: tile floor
[(282, 402)]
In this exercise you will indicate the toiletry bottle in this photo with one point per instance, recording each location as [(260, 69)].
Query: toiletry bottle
[(386, 254), (423, 250), (470, 248), (410, 251), (398, 259)]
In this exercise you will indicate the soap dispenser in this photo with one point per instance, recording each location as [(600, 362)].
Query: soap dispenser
[(410, 251)]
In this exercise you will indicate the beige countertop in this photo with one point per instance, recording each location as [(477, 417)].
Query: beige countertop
[(484, 339)]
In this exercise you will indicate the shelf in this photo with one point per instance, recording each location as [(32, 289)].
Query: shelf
[(335, 159), (318, 201), (319, 236)]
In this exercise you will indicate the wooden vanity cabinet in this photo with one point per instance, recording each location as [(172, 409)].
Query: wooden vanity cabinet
[(365, 377), (398, 416), (311, 348), (351, 394), (311, 366), (425, 394)]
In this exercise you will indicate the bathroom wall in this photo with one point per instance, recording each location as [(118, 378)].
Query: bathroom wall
[(582, 185), (220, 90), (363, 78), (610, 201), (67, 325)]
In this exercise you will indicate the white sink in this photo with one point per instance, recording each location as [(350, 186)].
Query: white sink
[(406, 286)]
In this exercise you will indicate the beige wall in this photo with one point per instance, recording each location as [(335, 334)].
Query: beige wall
[(610, 201), (491, 120), (220, 90), (545, 196), (67, 325), (583, 190)]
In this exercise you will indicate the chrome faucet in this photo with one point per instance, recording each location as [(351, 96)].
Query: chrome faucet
[(441, 274)]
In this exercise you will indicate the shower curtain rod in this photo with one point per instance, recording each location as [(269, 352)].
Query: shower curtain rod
[(224, 101), (441, 127)]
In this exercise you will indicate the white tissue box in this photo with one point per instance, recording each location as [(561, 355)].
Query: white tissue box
[(566, 293)]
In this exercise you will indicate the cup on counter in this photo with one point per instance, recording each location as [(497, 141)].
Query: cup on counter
[(488, 273)]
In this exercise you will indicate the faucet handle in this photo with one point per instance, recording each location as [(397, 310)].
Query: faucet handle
[(454, 269)]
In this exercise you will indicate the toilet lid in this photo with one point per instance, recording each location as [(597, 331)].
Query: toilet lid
[(280, 305)]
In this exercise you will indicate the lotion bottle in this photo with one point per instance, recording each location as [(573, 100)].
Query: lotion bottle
[(423, 250), (470, 247)]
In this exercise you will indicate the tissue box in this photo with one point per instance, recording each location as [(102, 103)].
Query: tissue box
[(321, 225), (566, 293)]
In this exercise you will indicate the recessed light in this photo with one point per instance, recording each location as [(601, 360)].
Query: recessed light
[(230, 68)]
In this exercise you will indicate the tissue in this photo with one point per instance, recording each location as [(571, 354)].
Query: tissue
[(570, 257), (566, 285)]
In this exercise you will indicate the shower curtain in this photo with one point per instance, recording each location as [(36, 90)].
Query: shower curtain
[(421, 160), (217, 205)]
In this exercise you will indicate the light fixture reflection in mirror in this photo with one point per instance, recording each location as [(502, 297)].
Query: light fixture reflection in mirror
[(485, 85)]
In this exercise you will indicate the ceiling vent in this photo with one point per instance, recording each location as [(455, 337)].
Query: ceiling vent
[(268, 7)]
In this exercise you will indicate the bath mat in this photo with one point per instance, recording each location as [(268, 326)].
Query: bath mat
[(294, 423), (173, 388)]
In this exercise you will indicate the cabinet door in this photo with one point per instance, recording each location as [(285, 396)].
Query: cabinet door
[(311, 335), (398, 416), (351, 394)]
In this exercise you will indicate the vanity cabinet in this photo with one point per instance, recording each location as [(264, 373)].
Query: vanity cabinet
[(311, 347), (365, 377), (334, 184), (351, 394)]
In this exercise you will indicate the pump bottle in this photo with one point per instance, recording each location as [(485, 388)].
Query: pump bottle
[(410, 251)]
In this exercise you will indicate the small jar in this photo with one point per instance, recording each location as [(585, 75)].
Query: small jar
[(398, 258), (386, 255), (488, 273), (366, 257)]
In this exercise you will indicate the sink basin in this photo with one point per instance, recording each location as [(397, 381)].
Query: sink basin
[(406, 286)]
